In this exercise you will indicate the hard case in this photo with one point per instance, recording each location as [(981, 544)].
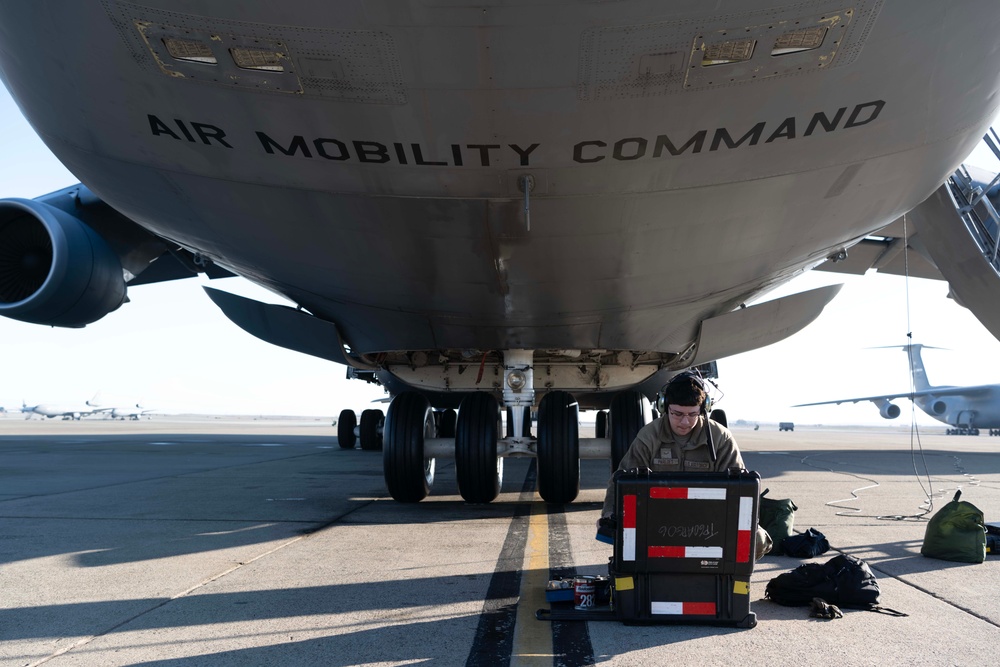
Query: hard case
[(684, 547)]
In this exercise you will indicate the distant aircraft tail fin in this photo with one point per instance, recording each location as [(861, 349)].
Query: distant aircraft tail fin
[(917, 371)]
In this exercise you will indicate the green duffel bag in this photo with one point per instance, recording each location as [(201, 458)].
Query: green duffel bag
[(957, 532), (776, 517)]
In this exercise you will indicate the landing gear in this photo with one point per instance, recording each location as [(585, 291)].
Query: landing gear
[(408, 475), (477, 466), (345, 429), (601, 424), (965, 431), (627, 418), (526, 422), (372, 423), (558, 448), (446, 423)]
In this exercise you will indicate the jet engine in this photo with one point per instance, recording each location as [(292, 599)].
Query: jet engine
[(887, 409), (54, 269)]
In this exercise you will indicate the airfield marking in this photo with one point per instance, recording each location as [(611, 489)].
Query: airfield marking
[(494, 637), (533, 638)]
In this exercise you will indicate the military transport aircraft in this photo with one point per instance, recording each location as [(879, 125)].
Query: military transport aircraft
[(134, 413), (967, 409), (542, 206), (64, 410)]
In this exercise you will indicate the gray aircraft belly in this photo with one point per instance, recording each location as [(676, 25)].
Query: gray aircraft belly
[(375, 179)]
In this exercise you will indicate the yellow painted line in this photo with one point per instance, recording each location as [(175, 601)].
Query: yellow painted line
[(533, 638)]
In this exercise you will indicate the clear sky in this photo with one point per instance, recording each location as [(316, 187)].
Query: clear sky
[(171, 349)]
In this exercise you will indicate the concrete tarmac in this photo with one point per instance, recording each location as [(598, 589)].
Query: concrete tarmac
[(241, 542)]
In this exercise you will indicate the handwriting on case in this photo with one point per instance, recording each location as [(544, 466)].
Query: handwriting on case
[(705, 531)]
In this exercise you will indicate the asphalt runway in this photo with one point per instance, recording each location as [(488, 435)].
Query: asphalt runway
[(245, 542)]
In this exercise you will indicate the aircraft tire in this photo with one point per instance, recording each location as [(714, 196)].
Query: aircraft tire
[(408, 475), (601, 424), (345, 429), (720, 417), (627, 418), (371, 439), (558, 448), (446, 428), (477, 467)]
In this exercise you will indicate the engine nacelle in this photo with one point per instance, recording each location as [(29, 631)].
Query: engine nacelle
[(887, 409), (54, 269)]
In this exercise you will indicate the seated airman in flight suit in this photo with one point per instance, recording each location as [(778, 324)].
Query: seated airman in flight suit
[(684, 440)]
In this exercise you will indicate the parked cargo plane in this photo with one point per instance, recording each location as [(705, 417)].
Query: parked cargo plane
[(66, 411), (133, 413), (967, 409), (541, 206)]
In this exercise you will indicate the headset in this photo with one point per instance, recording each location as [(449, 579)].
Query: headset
[(694, 377)]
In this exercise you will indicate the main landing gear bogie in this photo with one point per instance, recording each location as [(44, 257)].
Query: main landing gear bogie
[(414, 434)]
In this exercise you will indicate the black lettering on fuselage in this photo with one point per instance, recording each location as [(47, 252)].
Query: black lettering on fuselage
[(523, 152), (722, 135), (298, 144), (418, 158), (876, 109), (208, 132), (663, 141), (158, 127), (484, 152), (626, 149), (819, 118), (322, 151), (634, 154), (371, 151), (786, 130), (578, 152)]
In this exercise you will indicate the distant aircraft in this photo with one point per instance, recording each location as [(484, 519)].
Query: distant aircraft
[(461, 199), (129, 413), (967, 409), (50, 410)]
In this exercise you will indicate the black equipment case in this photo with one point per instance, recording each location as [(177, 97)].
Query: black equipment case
[(684, 547)]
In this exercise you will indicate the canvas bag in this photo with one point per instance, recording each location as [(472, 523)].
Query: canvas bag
[(957, 533), (776, 517)]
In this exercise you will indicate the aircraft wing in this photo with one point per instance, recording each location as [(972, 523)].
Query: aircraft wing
[(936, 391)]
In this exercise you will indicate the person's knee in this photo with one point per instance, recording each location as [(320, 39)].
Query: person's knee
[(764, 544)]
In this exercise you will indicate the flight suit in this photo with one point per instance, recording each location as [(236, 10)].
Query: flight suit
[(657, 447)]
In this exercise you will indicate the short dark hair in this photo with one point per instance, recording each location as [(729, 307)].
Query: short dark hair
[(684, 390)]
